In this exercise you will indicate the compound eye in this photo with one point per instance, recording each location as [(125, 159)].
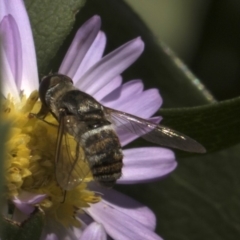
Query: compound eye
[(45, 84), (51, 81), (43, 87)]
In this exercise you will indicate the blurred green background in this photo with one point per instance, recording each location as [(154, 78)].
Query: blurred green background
[(204, 33)]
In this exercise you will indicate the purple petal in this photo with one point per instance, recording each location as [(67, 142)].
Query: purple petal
[(130, 98), (127, 206), (125, 136), (80, 46), (94, 231), (8, 84), (19, 216), (119, 224), (26, 201), (117, 96), (119, 99), (29, 65), (11, 44), (108, 88), (110, 66), (146, 164), (93, 55), (143, 104)]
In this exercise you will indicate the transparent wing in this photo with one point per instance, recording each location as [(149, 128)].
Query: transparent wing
[(70, 165), (152, 132)]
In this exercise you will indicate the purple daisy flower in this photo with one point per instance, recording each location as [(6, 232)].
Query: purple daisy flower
[(112, 213)]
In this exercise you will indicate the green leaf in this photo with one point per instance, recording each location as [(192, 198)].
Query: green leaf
[(216, 126), (29, 229), (51, 22), (200, 200), (9, 229)]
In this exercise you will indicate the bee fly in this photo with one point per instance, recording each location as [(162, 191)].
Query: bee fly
[(94, 129)]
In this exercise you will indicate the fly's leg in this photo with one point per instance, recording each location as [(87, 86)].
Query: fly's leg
[(41, 115)]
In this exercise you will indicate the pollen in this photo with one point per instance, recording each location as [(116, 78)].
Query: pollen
[(29, 164)]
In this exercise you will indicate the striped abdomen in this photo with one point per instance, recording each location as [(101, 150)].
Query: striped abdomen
[(104, 154)]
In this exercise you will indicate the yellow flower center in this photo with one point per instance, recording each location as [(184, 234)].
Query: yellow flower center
[(30, 167)]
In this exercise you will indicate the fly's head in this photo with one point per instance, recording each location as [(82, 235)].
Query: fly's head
[(51, 82)]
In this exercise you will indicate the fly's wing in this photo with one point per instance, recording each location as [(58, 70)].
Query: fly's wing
[(152, 132), (70, 165)]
